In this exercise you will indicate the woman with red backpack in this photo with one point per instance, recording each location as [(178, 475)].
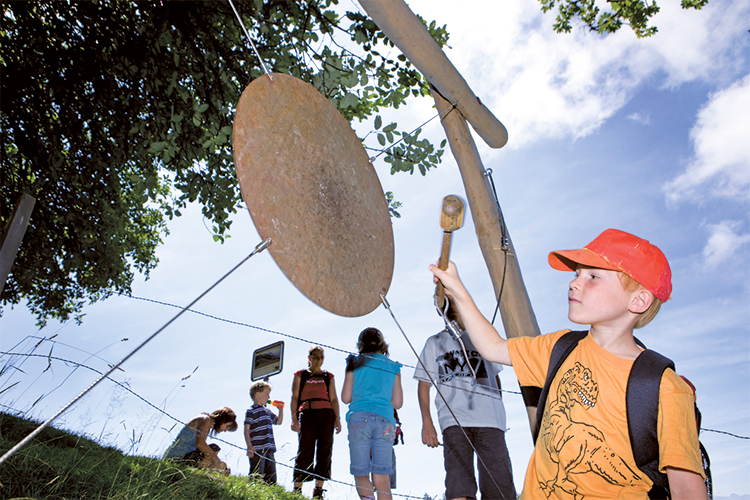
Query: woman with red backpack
[(315, 415)]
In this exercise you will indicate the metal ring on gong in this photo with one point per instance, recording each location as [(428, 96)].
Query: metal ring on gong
[(310, 187)]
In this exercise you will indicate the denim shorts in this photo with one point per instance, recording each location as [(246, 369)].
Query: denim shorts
[(370, 444)]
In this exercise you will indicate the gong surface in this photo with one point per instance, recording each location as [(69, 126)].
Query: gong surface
[(310, 187)]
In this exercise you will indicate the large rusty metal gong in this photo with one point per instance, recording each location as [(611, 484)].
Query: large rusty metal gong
[(310, 187)]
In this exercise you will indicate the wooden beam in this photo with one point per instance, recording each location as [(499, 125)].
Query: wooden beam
[(13, 236), (497, 248), (405, 30)]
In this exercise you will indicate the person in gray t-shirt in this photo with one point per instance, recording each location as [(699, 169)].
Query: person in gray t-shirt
[(475, 398)]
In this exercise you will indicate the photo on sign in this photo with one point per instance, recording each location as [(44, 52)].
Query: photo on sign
[(267, 361)]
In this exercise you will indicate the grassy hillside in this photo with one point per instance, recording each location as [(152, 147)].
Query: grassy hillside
[(59, 465)]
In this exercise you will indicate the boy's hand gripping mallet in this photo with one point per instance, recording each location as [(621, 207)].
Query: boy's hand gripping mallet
[(451, 219)]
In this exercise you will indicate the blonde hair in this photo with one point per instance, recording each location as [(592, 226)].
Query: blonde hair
[(644, 318), (259, 386)]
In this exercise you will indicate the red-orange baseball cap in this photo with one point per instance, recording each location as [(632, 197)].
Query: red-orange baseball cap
[(620, 251)]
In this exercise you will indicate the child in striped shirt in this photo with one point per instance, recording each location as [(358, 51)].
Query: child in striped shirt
[(259, 422)]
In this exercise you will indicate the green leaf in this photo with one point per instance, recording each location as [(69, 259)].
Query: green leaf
[(119, 183), (349, 101), (156, 147)]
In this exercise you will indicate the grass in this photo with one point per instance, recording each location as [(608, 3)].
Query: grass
[(59, 465)]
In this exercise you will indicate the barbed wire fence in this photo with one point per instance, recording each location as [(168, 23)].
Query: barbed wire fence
[(11, 369)]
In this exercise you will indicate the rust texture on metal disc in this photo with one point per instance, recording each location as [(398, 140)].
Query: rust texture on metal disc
[(310, 187)]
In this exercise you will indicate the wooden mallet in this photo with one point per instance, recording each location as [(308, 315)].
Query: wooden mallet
[(451, 219)]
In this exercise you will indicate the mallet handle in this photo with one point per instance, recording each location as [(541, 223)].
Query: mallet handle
[(445, 253)]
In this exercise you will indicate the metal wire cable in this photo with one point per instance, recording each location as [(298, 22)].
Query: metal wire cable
[(259, 248), (257, 54), (282, 334), (447, 405), (164, 412), (301, 339), (505, 243), (440, 114), (131, 391)]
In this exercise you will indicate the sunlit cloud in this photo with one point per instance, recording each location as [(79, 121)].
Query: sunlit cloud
[(723, 242), (643, 119), (545, 85), (721, 165)]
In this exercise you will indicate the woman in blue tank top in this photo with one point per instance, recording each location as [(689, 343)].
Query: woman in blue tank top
[(190, 446), (372, 389)]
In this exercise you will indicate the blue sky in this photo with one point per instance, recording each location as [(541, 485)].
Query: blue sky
[(647, 136)]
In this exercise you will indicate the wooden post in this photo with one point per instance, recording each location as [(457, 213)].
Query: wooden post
[(398, 22), (515, 307), (403, 28), (14, 236)]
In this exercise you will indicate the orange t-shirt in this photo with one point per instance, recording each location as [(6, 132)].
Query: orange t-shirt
[(583, 450)]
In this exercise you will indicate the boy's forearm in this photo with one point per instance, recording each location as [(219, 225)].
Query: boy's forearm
[(686, 485), (248, 441), (423, 396), (483, 335), (429, 435)]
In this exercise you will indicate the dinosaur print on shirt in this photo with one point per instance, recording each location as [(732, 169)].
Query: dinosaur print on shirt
[(576, 447)]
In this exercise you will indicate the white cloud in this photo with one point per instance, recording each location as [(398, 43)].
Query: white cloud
[(723, 242), (697, 45), (544, 85), (722, 150), (643, 119)]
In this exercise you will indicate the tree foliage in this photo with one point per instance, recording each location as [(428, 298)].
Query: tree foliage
[(635, 13), (116, 114)]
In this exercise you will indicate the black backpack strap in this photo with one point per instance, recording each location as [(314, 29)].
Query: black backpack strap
[(642, 404), (531, 395), (303, 376), (707, 469), (327, 379), (560, 351)]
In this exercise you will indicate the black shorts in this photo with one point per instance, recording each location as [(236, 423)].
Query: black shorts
[(494, 467)]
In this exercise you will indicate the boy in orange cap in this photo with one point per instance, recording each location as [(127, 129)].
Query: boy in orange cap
[(584, 450)]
